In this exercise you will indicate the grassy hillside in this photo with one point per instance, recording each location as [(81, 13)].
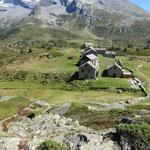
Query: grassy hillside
[(52, 74), (141, 67), (75, 29), (47, 73)]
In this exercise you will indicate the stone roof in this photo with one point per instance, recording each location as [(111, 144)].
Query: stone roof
[(90, 48), (86, 51), (89, 63), (110, 52), (100, 49), (119, 66), (115, 64), (125, 71), (91, 56)]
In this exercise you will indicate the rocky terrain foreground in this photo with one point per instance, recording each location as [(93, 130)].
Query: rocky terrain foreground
[(27, 134)]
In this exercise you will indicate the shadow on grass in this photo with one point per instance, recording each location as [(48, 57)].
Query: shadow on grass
[(74, 77), (105, 73)]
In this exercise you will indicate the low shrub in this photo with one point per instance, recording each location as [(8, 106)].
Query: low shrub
[(137, 136), (50, 145), (21, 75)]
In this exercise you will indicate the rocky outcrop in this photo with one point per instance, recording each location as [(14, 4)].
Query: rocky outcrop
[(6, 98), (90, 141), (29, 133)]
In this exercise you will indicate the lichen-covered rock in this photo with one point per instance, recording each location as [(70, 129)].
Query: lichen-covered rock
[(29, 134), (91, 141), (9, 143)]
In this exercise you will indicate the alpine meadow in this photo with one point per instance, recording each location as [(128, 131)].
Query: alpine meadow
[(74, 75)]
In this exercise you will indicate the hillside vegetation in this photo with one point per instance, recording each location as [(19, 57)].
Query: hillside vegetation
[(49, 74)]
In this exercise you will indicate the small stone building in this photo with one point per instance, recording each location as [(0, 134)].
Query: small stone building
[(100, 51), (87, 45), (118, 71), (88, 71), (88, 52), (86, 58), (111, 54), (89, 67)]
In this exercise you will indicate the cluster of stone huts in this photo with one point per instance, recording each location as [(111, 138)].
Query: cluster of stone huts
[(100, 51), (89, 64)]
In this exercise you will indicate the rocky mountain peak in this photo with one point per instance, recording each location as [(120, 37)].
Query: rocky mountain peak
[(74, 14)]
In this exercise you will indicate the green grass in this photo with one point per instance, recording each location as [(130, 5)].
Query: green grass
[(144, 105), (19, 85), (141, 68), (11, 107), (97, 119), (56, 64), (59, 95), (103, 83), (110, 83), (42, 78), (105, 62), (141, 106), (54, 72), (50, 145)]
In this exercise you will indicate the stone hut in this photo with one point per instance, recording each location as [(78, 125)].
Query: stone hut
[(87, 45), (111, 54), (100, 51), (89, 67), (118, 71), (89, 51), (86, 58), (88, 71)]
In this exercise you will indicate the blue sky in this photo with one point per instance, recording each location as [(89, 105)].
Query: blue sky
[(145, 4)]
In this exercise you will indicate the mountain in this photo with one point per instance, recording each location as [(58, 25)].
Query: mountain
[(90, 17), (12, 11), (17, 2), (93, 10)]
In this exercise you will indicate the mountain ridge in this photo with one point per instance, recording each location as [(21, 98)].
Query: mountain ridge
[(97, 17)]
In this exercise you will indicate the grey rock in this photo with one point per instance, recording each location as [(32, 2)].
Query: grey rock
[(6, 98), (61, 110), (52, 126), (41, 103), (52, 12), (9, 143)]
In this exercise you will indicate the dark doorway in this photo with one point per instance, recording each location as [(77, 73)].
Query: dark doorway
[(86, 76), (114, 75)]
